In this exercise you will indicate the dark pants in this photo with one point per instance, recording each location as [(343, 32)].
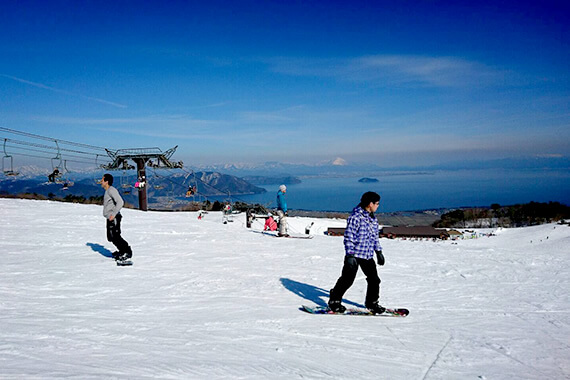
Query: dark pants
[(114, 235), (348, 275)]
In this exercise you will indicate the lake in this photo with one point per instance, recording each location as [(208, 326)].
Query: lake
[(425, 190)]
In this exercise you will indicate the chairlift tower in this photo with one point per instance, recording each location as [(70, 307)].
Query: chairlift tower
[(141, 157)]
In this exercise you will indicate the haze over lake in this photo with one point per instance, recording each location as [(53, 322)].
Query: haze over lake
[(425, 190)]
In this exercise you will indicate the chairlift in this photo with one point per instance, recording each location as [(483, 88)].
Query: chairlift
[(155, 176), (97, 179), (170, 198), (65, 181), (5, 170), (54, 176), (192, 190), (125, 184), (229, 199), (56, 162)]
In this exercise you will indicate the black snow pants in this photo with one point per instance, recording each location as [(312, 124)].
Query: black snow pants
[(114, 236), (348, 275)]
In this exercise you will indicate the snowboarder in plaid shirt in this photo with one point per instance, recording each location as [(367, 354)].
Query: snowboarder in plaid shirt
[(361, 242)]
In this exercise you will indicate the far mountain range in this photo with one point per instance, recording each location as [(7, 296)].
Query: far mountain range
[(341, 167), (162, 185), (239, 179)]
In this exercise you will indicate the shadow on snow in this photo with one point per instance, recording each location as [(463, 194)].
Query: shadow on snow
[(100, 249), (311, 293)]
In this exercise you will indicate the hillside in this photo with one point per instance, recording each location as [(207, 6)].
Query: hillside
[(208, 300), (164, 190)]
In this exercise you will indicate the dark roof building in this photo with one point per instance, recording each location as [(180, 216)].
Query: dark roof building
[(401, 232), (414, 232)]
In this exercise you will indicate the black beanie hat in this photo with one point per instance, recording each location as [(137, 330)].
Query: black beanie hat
[(368, 197)]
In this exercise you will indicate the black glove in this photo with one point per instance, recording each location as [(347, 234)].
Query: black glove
[(380, 258)]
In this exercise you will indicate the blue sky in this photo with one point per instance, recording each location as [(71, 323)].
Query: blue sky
[(391, 83)]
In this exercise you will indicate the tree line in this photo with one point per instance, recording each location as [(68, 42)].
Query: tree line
[(98, 200), (518, 215), (52, 197)]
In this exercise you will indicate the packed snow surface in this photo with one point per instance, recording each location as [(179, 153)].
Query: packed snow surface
[(211, 300)]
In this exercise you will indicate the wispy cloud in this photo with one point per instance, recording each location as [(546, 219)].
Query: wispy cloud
[(391, 69), (155, 126), (49, 88)]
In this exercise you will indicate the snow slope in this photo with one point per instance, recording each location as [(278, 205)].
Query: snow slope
[(208, 300)]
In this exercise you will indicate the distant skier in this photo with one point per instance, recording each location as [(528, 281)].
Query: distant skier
[(112, 204), (226, 213), (53, 175), (361, 241), (282, 210)]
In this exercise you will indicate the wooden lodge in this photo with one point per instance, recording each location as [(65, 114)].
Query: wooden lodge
[(414, 232), (401, 232)]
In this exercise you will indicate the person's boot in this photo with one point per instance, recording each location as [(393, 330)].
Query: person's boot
[(335, 304), (375, 308), (123, 257), (336, 307)]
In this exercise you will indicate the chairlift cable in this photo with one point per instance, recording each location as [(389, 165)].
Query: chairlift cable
[(31, 135)]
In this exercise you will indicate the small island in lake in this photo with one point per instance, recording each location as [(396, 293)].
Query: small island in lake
[(367, 180)]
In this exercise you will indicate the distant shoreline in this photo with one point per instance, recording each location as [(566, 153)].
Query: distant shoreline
[(416, 218), (394, 218)]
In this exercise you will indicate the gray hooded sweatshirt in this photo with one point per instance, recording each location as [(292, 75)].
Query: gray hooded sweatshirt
[(112, 202)]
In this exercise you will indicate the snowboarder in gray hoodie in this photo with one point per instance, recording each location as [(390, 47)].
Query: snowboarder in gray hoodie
[(112, 204)]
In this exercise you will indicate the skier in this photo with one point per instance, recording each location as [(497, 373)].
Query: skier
[(226, 213), (361, 241), (282, 211), (53, 175), (112, 204)]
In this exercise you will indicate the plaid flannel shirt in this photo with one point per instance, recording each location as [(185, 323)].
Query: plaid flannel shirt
[(361, 237)]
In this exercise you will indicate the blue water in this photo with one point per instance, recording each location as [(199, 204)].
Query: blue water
[(433, 190)]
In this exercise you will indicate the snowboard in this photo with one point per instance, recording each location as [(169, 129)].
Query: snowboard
[(294, 236), (124, 263), (355, 311), (283, 237)]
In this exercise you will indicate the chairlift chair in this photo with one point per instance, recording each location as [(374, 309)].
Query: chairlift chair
[(192, 190), (55, 175), (96, 178), (155, 177), (125, 184), (5, 170), (56, 162), (65, 181)]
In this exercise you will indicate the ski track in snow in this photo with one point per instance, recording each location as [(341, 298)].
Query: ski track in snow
[(208, 300)]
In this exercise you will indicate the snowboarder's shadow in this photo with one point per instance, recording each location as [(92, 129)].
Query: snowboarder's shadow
[(311, 293), (100, 249)]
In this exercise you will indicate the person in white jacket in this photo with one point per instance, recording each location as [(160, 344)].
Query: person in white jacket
[(112, 204)]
